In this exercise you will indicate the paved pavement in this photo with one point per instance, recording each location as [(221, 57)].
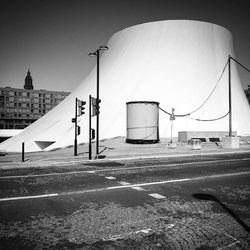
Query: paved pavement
[(113, 149)]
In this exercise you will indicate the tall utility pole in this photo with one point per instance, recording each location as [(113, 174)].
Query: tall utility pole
[(97, 55), (90, 136), (97, 103), (230, 96)]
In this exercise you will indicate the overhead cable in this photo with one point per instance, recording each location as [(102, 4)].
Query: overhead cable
[(240, 64), (209, 120), (212, 90), (183, 115)]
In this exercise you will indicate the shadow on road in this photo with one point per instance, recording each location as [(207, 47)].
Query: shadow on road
[(209, 197)]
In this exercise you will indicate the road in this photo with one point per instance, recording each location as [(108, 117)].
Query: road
[(197, 202)]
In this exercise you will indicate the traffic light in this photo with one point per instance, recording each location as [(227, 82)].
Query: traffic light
[(95, 106), (98, 106), (81, 107), (78, 130), (92, 134)]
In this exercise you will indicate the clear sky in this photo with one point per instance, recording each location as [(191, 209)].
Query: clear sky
[(53, 37)]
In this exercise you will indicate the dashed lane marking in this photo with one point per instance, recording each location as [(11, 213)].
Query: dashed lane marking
[(157, 196), (124, 183), (129, 186), (139, 188), (110, 177), (180, 180)]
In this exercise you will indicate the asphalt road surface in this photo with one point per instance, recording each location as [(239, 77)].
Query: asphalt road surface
[(200, 202)]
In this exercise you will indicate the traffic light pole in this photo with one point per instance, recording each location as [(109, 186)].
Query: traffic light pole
[(75, 142), (90, 137)]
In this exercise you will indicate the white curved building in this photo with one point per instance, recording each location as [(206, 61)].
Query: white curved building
[(176, 63)]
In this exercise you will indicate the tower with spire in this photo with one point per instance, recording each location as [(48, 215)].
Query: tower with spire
[(28, 83)]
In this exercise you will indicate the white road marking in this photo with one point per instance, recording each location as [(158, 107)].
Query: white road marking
[(236, 241), (124, 183), (180, 180), (145, 231), (139, 188), (157, 196), (125, 168), (110, 177), (230, 245), (130, 186), (121, 236), (28, 197)]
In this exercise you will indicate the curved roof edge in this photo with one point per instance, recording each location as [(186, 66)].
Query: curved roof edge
[(169, 20)]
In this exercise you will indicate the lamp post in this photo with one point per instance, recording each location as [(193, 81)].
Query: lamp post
[(230, 96), (97, 55)]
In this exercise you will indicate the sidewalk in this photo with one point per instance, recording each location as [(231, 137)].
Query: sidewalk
[(113, 149)]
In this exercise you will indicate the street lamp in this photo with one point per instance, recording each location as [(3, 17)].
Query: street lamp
[(97, 55)]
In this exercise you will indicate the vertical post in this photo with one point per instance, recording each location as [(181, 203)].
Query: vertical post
[(230, 96), (97, 100), (75, 142), (172, 118), (171, 141), (90, 144), (22, 151)]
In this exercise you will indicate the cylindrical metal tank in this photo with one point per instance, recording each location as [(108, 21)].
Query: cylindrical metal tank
[(142, 122)]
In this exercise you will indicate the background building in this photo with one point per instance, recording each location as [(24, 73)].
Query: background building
[(21, 107)]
